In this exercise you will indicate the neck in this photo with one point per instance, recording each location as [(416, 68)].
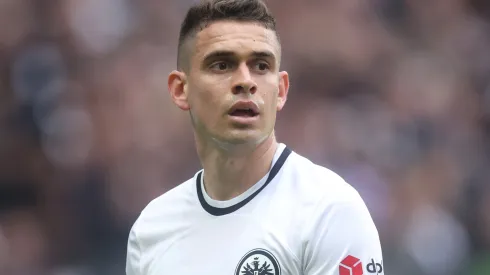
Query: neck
[(229, 173)]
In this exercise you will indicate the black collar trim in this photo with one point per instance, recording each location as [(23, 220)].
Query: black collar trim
[(217, 211)]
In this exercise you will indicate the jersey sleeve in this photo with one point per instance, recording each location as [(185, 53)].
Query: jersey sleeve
[(133, 255), (342, 239)]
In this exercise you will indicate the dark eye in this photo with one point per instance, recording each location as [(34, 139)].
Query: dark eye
[(262, 66), (220, 66)]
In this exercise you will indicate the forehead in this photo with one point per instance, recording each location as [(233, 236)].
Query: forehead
[(238, 37)]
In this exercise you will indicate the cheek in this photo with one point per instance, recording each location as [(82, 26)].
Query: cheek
[(206, 100), (199, 95), (270, 97)]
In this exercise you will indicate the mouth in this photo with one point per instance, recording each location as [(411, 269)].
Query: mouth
[(244, 109), (243, 113)]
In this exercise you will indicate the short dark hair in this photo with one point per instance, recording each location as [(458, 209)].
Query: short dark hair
[(206, 12)]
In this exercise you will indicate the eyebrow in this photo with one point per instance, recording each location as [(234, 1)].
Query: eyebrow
[(264, 54), (229, 54)]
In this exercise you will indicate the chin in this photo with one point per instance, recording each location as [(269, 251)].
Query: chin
[(245, 139)]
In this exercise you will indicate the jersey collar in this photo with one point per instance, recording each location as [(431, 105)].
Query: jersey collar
[(218, 211)]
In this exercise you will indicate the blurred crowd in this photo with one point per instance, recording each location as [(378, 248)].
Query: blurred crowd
[(394, 95)]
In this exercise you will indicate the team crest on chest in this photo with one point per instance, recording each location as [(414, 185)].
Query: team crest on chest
[(258, 262)]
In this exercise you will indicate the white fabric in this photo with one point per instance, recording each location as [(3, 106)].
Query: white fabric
[(306, 221)]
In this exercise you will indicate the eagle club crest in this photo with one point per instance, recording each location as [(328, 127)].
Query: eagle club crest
[(258, 262)]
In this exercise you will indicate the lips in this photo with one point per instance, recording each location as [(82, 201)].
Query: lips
[(244, 109)]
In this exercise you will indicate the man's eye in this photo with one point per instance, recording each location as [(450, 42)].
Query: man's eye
[(261, 66), (220, 66)]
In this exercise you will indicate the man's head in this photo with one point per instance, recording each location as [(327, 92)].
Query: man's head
[(210, 11), (228, 71)]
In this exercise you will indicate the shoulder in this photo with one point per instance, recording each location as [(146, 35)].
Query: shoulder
[(335, 220), (166, 206), (317, 184), (330, 203)]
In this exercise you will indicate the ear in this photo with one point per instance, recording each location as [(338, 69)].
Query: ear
[(283, 90), (178, 89)]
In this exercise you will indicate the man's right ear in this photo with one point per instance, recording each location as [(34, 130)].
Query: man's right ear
[(178, 89)]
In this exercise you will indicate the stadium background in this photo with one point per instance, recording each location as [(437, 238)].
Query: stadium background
[(394, 95)]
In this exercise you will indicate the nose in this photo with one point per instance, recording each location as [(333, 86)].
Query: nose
[(244, 82)]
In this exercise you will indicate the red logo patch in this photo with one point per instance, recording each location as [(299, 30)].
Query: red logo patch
[(350, 266)]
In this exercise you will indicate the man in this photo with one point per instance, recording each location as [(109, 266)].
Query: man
[(256, 208)]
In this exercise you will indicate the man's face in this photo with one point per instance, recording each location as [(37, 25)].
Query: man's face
[(233, 86)]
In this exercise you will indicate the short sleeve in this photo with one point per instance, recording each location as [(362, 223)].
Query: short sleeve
[(133, 255), (342, 239)]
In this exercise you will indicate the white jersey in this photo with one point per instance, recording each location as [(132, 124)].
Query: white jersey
[(300, 219)]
